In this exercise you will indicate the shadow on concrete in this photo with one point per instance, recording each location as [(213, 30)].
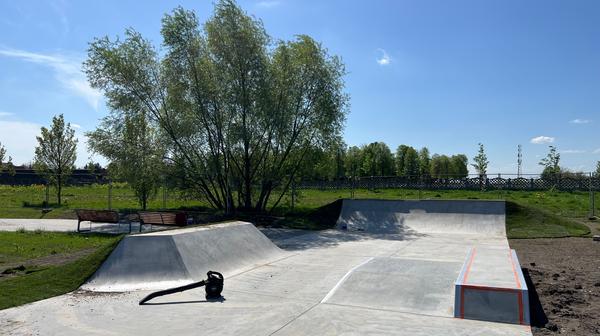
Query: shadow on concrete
[(536, 311), (332, 238), (219, 300)]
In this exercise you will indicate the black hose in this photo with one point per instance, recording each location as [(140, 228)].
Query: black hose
[(214, 287)]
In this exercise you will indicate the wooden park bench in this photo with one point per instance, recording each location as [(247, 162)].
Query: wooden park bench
[(178, 218), (97, 216)]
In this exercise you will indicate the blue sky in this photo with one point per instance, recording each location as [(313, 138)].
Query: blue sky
[(441, 74)]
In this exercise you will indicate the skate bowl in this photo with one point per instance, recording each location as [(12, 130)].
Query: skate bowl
[(170, 258), (424, 216)]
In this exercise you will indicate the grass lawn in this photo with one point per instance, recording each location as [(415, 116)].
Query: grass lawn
[(38, 265), (28, 201)]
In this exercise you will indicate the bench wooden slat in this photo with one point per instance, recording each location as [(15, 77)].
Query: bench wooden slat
[(97, 216), (162, 218)]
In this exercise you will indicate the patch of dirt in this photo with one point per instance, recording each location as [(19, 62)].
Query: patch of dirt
[(33, 265), (565, 274)]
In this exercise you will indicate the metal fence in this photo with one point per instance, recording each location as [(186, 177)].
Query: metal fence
[(582, 182)]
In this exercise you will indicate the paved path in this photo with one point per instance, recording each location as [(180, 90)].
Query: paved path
[(68, 225)]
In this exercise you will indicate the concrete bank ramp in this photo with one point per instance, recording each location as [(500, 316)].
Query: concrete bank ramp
[(424, 216), (165, 259)]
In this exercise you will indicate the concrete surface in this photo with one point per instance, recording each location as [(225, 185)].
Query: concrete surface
[(161, 260), (397, 281)]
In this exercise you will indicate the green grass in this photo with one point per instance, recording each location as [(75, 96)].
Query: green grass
[(18, 246), (28, 201), (51, 281), (564, 204), (524, 221)]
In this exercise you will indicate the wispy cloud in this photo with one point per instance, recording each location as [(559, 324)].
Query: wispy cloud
[(75, 125), (542, 140), (596, 151), (572, 151), (384, 59), (580, 121), (5, 114), (19, 138), (60, 9), (268, 4), (67, 71)]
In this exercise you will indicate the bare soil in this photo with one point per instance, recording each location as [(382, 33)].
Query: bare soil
[(33, 265), (564, 284)]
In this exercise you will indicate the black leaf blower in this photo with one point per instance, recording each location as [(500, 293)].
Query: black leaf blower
[(213, 287)]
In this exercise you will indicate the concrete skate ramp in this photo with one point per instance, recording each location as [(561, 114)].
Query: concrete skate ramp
[(176, 257), (425, 216)]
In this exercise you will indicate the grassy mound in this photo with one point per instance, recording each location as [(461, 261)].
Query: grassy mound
[(525, 221), (48, 281), (321, 218)]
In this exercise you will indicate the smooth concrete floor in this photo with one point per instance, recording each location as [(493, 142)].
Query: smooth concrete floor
[(332, 283)]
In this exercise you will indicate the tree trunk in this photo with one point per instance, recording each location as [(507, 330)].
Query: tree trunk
[(59, 189)]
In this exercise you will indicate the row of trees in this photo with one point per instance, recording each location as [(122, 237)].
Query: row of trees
[(376, 159)]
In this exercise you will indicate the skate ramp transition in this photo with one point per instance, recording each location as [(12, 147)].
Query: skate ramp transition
[(490, 285), (165, 259), (423, 216)]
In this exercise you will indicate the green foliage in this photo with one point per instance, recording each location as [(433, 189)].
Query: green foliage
[(377, 160), (55, 154), (458, 166), (8, 164), (237, 115), (424, 162), (135, 149), (353, 161), (551, 164), (399, 159), (597, 173), (411, 163), (440, 166), (481, 161)]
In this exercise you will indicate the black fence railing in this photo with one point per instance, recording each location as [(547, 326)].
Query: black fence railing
[(583, 182), (23, 177)]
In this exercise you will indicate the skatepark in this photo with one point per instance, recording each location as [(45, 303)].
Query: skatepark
[(389, 267)]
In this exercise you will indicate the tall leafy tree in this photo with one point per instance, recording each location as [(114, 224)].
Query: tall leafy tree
[(411, 163), (353, 161), (237, 113), (458, 166), (424, 162), (55, 154), (481, 161), (135, 150), (551, 164), (597, 169), (377, 160), (440, 166), (8, 165), (399, 159)]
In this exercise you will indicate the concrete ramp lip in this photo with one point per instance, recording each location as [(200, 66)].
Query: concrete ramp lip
[(159, 260), (423, 216)]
